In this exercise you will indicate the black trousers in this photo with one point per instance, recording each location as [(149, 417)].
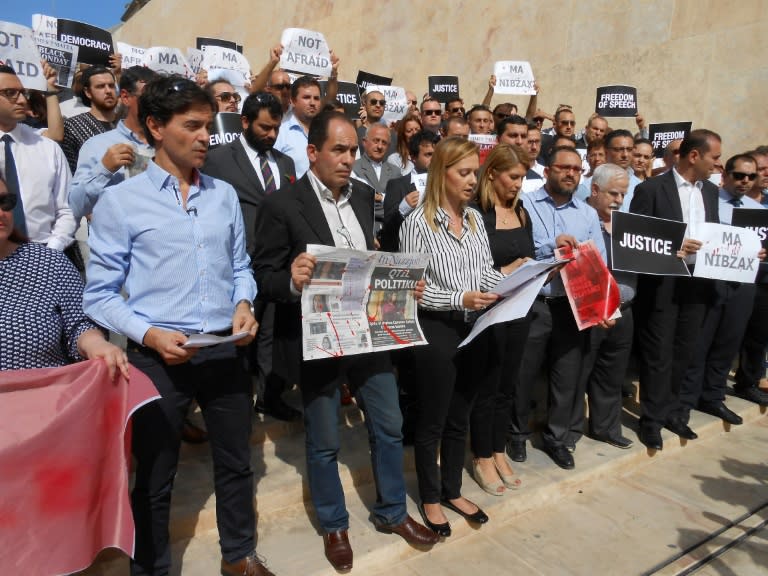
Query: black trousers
[(216, 378), (752, 354)]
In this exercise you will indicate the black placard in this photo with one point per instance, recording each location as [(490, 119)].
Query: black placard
[(95, 43), (616, 101), (348, 94), (444, 88), (365, 79), (646, 244), (662, 134), (202, 41), (753, 218), (227, 127)]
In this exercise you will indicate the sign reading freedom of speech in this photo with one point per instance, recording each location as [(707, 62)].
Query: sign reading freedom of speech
[(444, 88), (755, 219), (513, 77), (61, 57), (662, 134), (366, 79), (18, 50), (646, 245), (305, 51), (348, 94), (396, 105), (616, 101), (227, 127), (95, 44), (728, 253)]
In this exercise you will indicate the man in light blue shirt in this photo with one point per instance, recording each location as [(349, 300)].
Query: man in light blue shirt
[(173, 240), (292, 139)]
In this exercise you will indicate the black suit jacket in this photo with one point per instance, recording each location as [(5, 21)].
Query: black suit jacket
[(285, 224), (231, 164), (397, 189)]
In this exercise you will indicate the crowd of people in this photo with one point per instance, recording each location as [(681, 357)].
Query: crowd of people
[(183, 240)]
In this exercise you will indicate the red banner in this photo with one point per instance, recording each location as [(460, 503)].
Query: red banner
[(64, 454)]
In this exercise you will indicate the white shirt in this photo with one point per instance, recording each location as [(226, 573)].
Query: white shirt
[(253, 156), (44, 183), (341, 218), (691, 201)]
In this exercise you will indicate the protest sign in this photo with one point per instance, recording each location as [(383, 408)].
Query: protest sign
[(485, 143), (513, 77), (616, 101), (195, 60), (19, 51), (728, 253), (95, 44), (397, 103), (227, 127), (592, 291), (365, 79), (216, 57), (755, 219), (443, 88), (167, 60), (61, 57), (662, 134), (647, 245), (203, 43), (360, 302), (348, 94), (45, 26), (132, 55), (305, 51)]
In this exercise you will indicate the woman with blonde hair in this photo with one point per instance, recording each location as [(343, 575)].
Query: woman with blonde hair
[(510, 238), (459, 277), (409, 125)]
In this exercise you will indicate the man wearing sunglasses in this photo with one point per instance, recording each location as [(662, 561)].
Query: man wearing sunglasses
[(431, 115), (227, 98), (454, 107)]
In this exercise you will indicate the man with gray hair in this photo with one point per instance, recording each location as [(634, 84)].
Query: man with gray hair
[(372, 169)]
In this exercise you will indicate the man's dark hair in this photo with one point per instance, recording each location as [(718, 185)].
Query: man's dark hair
[(643, 141), (303, 82), (743, 157), (332, 105), (259, 101), (760, 150), (318, 129), (513, 119), (5, 69), (167, 96), (697, 140), (599, 143), (619, 133), (476, 108), (532, 125), (423, 137), (554, 151), (427, 99), (131, 77), (89, 73)]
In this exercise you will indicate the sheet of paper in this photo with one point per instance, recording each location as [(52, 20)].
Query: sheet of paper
[(205, 340)]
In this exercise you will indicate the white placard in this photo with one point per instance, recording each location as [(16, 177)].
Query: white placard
[(513, 77), (195, 59), (167, 60), (216, 57), (45, 26), (132, 55), (397, 103), (728, 253), (305, 51), (19, 51)]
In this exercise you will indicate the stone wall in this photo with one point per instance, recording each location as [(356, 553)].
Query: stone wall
[(699, 60)]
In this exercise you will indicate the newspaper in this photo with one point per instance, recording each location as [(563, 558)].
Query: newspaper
[(360, 302)]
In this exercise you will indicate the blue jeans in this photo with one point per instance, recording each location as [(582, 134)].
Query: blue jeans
[(377, 397)]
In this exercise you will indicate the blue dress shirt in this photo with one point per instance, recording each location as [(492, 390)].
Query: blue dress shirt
[(725, 208), (181, 269), (292, 141)]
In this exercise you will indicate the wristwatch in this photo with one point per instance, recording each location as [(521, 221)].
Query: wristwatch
[(250, 305)]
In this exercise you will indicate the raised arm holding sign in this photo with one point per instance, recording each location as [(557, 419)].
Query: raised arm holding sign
[(513, 77)]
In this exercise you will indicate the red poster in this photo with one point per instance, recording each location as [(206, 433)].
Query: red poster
[(64, 454), (592, 290)]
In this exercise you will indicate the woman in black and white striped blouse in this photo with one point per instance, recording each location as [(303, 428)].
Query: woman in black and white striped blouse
[(459, 276)]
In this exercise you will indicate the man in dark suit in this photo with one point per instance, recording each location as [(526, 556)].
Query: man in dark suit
[(670, 310), (326, 207), (255, 170), (373, 169)]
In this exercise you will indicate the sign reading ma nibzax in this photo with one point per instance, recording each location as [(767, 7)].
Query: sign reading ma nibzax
[(513, 77), (662, 134), (728, 253), (616, 101), (444, 88), (646, 244), (95, 44), (305, 51)]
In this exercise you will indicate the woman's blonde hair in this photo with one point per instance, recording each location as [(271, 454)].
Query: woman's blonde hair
[(502, 158), (449, 151)]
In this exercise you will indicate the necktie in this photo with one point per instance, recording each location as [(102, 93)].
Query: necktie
[(736, 202), (12, 182), (266, 171)]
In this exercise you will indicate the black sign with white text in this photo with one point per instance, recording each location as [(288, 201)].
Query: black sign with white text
[(227, 127), (647, 245), (365, 79), (662, 134), (444, 88), (616, 101), (202, 41), (95, 45), (348, 94), (754, 218)]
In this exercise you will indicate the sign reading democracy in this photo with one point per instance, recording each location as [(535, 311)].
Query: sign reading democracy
[(444, 88), (366, 79), (227, 127), (132, 55), (167, 60), (646, 244), (728, 253), (513, 77), (95, 44), (18, 50), (755, 219), (61, 57), (616, 101), (305, 51), (397, 103), (662, 134)]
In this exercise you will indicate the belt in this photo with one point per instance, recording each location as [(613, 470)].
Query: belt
[(132, 344)]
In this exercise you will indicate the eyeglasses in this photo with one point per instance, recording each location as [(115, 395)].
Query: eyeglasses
[(431, 112), (227, 96), (567, 122), (566, 168), (8, 202), (12, 94), (376, 102), (751, 176), (457, 109), (284, 86)]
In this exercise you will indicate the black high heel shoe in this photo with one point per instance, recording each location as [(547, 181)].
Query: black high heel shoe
[(443, 530), (478, 517)]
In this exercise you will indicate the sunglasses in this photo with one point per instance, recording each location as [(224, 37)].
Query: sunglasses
[(227, 96), (285, 86), (12, 94), (457, 109), (751, 176), (431, 112), (375, 102), (8, 202)]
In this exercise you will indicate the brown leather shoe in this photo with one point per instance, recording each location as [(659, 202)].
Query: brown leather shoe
[(192, 434), (337, 550), (412, 532), (251, 565)]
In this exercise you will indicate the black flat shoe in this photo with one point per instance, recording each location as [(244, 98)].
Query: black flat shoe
[(478, 517), (516, 450), (443, 530), (681, 429)]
